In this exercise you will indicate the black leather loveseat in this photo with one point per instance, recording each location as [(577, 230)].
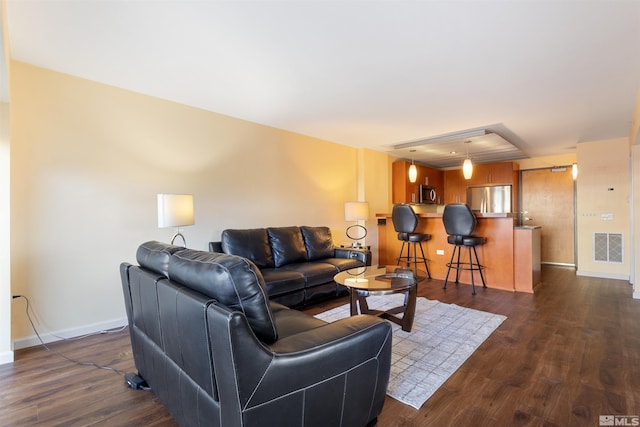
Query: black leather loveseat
[(298, 263), (218, 353)]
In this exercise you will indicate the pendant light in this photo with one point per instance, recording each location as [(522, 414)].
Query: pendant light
[(413, 171), (467, 166)]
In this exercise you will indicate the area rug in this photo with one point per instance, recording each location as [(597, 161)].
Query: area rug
[(442, 338)]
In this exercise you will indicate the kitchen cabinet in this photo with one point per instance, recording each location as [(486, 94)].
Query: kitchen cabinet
[(527, 265), (493, 173), (497, 254), (455, 187), (505, 173), (404, 191)]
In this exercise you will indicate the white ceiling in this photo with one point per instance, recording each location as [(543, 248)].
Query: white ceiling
[(544, 75)]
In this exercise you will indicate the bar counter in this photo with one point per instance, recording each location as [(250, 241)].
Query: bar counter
[(497, 254)]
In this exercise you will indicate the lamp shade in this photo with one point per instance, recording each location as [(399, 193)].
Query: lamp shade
[(413, 173), (355, 211), (175, 210), (467, 169)]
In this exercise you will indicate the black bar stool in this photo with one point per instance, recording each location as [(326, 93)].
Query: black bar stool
[(460, 222), (405, 222)]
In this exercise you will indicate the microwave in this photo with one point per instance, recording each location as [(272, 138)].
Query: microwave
[(428, 194)]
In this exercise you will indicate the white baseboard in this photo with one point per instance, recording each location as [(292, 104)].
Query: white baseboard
[(636, 295), (6, 357), (48, 337), (561, 264), (602, 275)]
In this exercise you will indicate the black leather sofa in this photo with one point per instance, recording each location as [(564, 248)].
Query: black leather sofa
[(218, 353), (298, 263)]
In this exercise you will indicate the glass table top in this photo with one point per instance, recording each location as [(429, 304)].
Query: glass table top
[(391, 278)]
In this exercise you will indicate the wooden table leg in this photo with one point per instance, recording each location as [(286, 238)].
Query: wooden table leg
[(362, 302), (353, 302), (410, 309)]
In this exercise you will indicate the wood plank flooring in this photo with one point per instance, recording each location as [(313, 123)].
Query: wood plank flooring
[(563, 357)]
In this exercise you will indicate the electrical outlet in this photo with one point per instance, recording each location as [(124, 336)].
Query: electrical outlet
[(439, 251)]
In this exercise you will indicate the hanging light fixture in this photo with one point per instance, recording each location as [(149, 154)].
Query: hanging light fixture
[(413, 171), (467, 166)]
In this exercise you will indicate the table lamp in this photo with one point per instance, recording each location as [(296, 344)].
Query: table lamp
[(356, 211), (175, 210)]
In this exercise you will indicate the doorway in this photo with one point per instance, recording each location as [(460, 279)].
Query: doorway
[(548, 200)]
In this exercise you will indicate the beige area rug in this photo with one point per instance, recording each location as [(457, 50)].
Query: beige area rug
[(442, 338)]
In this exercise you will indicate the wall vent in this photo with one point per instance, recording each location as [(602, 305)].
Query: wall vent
[(607, 247)]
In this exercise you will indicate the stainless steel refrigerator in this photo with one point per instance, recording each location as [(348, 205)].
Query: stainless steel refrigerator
[(490, 199)]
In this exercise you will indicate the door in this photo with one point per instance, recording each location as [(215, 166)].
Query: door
[(548, 201)]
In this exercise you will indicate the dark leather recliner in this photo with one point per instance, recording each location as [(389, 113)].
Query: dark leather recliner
[(217, 352)]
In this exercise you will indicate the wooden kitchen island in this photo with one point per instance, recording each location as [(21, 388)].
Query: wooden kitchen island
[(497, 254)]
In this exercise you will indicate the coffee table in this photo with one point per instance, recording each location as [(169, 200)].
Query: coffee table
[(383, 280)]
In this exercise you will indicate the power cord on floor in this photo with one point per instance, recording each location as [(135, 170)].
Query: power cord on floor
[(78, 362)]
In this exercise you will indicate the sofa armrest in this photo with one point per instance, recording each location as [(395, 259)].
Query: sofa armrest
[(347, 330), (362, 255), (337, 349), (348, 360), (215, 247)]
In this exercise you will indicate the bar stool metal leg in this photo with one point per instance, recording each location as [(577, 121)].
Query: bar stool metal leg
[(449, 268), (401, 252), (480, 267), (473, 283), (424, 259), (458, 265)]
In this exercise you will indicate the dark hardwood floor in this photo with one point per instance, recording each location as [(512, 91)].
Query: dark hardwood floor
[(563, 357)]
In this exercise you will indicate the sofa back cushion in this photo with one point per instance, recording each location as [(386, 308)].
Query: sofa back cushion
[(155, 256), (287, 245), (250, 243), (318, 242), (232, 280)]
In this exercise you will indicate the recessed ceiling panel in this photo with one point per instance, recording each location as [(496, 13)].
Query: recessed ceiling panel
[(449, 154)]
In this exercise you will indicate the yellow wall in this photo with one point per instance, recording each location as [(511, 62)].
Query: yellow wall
[(6, 351), (635, 268), (377, 191), (88, 160), (634, 132), (603, 187), (547, 161), (634, 141)]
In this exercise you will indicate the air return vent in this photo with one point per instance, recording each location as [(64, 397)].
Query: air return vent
[(607, 247)]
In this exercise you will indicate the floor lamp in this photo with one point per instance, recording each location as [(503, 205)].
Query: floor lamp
[(356, 211), (175, 210)]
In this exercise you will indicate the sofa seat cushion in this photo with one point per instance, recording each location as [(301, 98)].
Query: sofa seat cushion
[(252, 243), (231, 280), (290, 322), (287, 245), (282, 281), (315, 273), (343, 264), (318, 242)]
